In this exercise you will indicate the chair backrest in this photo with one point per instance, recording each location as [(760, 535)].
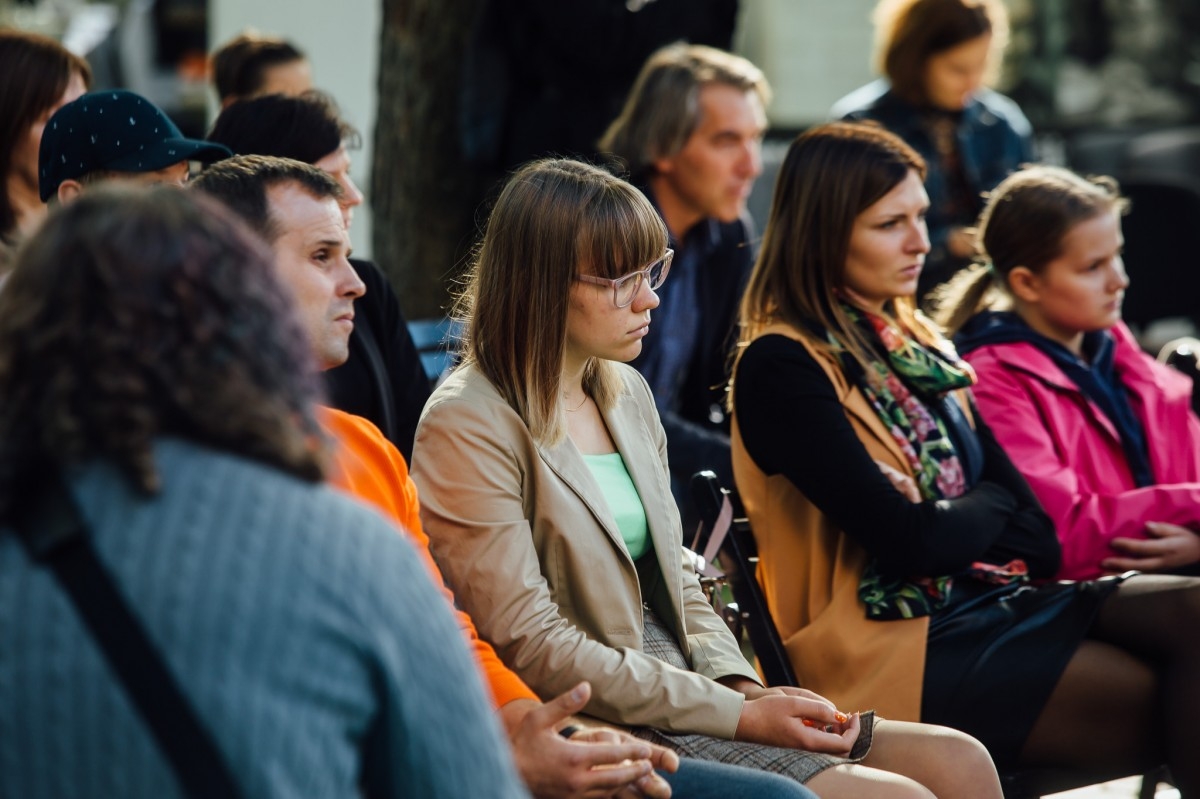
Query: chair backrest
[(436, 342), (1183, 354), (739, 561), (1162, 237)]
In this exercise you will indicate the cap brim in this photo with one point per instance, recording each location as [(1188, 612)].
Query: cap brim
[(168, 152)]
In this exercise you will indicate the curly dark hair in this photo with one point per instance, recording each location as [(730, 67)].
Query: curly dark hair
[(137, 313)]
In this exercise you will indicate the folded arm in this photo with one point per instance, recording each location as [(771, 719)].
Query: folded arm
[(793, 424)]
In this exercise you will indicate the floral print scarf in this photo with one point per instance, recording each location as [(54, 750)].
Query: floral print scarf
[(894, 389)]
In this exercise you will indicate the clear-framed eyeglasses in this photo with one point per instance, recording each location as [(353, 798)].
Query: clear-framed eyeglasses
[(626, 287)]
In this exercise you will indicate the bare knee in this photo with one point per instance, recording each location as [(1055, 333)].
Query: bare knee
[(968, 767), (851, 780), (948, 762), (960, 747)]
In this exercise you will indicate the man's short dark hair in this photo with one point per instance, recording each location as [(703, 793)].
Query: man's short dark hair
[(307, 127), (239, 67), (242, 183)]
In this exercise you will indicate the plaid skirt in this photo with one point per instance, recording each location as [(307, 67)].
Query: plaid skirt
[(659, 642)]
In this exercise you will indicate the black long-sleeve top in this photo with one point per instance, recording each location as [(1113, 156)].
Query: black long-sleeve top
[(793, 424)]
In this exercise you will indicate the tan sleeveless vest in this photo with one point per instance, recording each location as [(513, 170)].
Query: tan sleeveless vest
[(810, 571)]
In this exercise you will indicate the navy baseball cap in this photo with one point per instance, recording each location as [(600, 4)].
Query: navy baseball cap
[(113, 130)]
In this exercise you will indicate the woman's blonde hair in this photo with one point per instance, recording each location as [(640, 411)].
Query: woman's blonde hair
[(909, 32), (831, 174), (1023, 223), (555, 219)]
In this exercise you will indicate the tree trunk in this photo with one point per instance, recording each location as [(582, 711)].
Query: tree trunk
[(422, 194)]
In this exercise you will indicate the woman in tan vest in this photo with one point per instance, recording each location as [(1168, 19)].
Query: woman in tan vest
[(900, 548)]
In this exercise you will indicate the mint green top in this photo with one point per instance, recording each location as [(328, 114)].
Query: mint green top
[(623, 500)]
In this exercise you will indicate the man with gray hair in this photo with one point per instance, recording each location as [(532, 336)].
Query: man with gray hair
[(690, 135)]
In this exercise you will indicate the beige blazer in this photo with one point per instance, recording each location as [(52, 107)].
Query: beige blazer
[(526, 541)]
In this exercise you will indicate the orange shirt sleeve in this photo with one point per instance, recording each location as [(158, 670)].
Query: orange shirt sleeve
[(369, 467)]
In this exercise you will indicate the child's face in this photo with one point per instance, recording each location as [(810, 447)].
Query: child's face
[(1082, 290)]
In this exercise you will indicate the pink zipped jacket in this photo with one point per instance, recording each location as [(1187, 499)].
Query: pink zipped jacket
[(1071, 453)]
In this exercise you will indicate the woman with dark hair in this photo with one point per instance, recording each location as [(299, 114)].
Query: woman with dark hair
[(383, 380), (307, 127), (937, 58), (896, 539), (37, 77), (541, 464), (149, 358), (1105, 435), (252, 65)]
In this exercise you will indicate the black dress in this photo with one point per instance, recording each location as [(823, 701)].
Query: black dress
[(995, 653)]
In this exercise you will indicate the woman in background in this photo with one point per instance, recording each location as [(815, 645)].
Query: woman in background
[(1105, 436), (253, 65), (937, 58), (37, 77)]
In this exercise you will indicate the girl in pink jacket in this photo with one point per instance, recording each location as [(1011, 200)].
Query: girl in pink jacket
[(1104, 434)]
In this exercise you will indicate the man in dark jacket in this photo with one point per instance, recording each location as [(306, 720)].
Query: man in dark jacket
[(690, 134)]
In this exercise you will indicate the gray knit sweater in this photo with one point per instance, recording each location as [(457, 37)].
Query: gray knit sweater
[(300, 624)]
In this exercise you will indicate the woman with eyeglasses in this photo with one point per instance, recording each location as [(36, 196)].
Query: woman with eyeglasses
[(541, 464)]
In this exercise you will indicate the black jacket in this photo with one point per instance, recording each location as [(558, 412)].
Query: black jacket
[(383, 379)]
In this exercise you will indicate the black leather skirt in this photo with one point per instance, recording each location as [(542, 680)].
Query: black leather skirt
[(995, 654)]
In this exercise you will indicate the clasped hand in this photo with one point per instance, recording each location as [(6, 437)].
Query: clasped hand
[(777, 716), (592, 764), (1167, 547)]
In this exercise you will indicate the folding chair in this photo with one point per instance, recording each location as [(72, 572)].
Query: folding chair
[(435, 340), (725, 533)]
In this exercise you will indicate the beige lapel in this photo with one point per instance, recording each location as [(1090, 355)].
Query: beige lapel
[(566, 461), (635, 441)]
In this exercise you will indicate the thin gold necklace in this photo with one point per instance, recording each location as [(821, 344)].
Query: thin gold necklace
[(580, 405)]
